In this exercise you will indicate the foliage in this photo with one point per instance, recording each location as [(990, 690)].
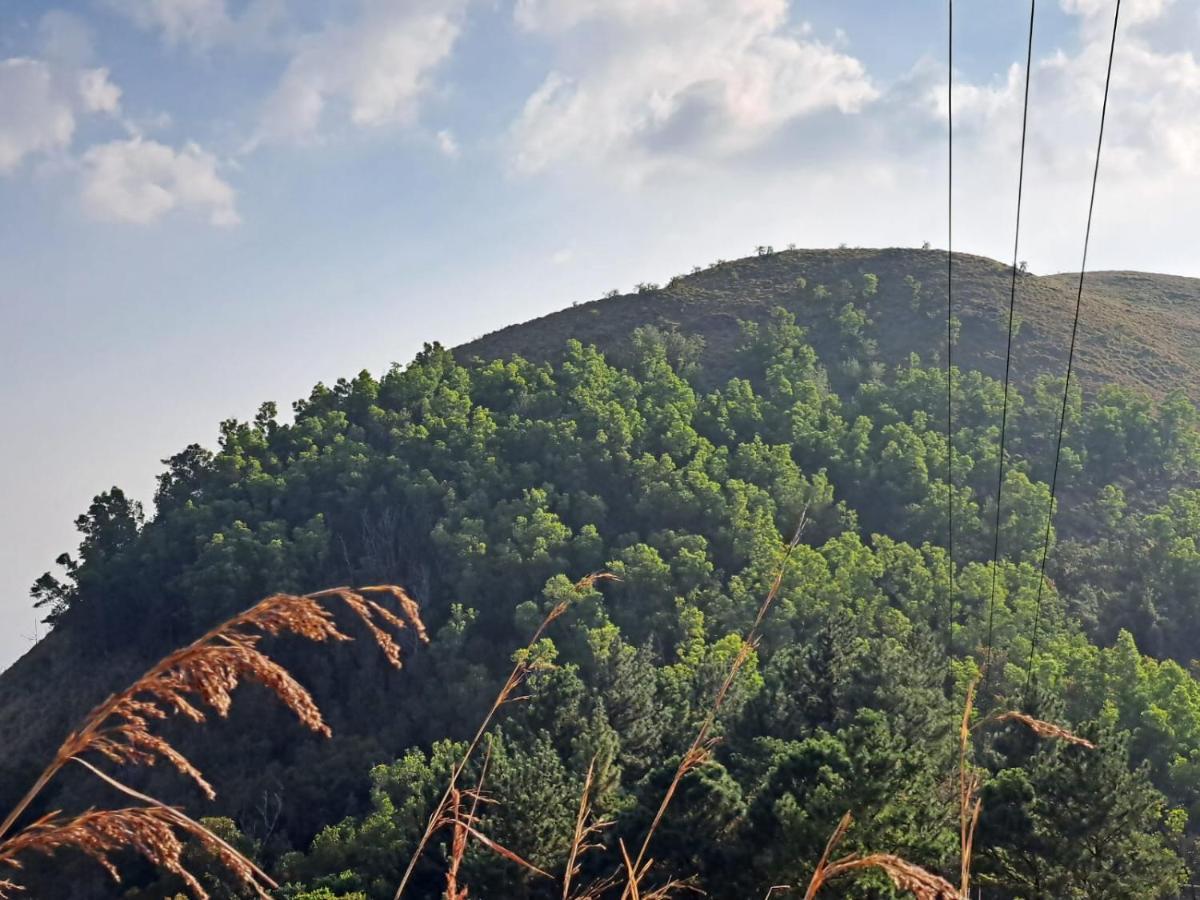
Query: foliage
[(489, 487)]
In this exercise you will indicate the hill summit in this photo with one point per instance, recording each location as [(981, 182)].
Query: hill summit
[(1137, 329)]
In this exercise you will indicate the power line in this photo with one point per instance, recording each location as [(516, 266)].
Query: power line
[(1062, 419), (1012, 304), (949, 323)]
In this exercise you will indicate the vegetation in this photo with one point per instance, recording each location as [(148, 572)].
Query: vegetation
[(1139, 330), (489, 487), (203, 674)]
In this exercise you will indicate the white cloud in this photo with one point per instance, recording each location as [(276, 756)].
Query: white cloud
[(40, 103), (133, 180), (202, 25), (34, 116), (98, 93), (1148, 187), (979, 107), (641, 83), (199, 23), (375, 69), (879, 178), (140, 181), (1151, 130), (447, 143), (1133, 12)]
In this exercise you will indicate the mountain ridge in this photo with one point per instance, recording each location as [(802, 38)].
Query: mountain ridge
[(709, 301)]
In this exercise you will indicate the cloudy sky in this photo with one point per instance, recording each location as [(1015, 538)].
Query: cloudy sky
[(205, 204)]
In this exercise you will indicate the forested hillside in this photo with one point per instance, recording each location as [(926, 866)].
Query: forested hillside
[(676, 438)]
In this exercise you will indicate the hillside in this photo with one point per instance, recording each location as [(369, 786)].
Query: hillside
[(489, 479), (1137, 329)]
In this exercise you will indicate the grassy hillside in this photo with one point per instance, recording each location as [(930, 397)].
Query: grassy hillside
[(795, 385), (1137, 329)]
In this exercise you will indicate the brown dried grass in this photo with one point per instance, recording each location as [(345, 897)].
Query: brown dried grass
[(970, 780), (205, 673), (634, 875), (522, 668), (700, 749), (969, 805), (906, 876), (458, 845), (1045, 729), (153, 832), (586, 828), (202, 675), (819, 874), (465, 828)]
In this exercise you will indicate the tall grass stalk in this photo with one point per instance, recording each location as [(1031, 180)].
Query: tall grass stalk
[(970, 804), (906, 876), (701, 746), (202, 675), (521, 669)]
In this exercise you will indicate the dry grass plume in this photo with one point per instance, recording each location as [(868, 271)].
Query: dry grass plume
[(587, 828), (1045, 729), (701, 746), (525, 663), (970, 779), (906, 876), (192, 682)]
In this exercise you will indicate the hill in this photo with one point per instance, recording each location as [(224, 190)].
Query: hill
[(674, 437), (1137, 329)]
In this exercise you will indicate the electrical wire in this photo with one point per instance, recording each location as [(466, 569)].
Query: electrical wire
[(1012, 305), (1062, 419), (949, 325)]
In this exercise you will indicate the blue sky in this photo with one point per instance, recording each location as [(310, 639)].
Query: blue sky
[(205, 204)]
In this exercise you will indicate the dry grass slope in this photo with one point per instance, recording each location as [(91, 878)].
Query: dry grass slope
[(1137, 329)]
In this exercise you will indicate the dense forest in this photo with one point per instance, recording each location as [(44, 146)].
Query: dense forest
[(489, 485)]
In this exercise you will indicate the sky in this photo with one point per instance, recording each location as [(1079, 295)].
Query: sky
[(207, 204)]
